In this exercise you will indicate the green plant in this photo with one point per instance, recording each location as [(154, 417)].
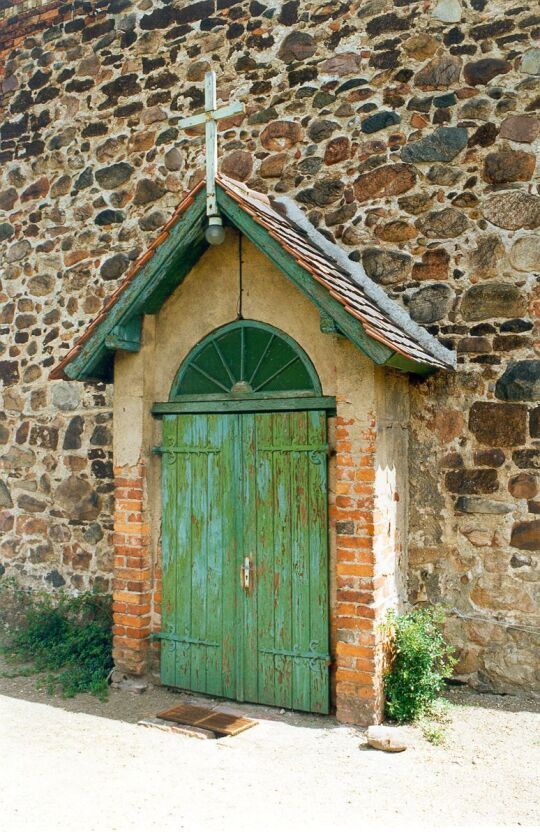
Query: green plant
[(420, 661), (433, 733), (17, 673), (69, 639), (435, 721), (13, 603)]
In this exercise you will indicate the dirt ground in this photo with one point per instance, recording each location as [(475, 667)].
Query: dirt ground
[(86, 765)]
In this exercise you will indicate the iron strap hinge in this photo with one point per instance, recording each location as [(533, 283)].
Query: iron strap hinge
[(312, 449), (184, 639), (311, 656), (174, 449)]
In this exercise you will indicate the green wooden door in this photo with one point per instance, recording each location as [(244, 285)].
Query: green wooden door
[(245, 563), (199, 553)]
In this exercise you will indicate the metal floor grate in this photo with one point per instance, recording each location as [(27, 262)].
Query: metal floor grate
[(227, 725)]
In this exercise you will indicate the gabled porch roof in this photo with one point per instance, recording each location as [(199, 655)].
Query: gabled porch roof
[(350, 303)]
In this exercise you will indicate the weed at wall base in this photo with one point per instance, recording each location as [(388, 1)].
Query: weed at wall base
[(421, 659), (69, 639)]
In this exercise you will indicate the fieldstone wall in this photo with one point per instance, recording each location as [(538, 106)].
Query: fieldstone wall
[(408, 131)]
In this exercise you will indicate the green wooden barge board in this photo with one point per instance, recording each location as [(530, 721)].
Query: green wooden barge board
[(175, 258)]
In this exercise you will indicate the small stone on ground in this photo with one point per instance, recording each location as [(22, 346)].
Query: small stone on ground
[(386, 738)]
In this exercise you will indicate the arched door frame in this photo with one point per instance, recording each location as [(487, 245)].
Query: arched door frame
[(245, 522), (241, 397)]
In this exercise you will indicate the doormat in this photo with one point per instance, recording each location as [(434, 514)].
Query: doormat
[(221, 723)]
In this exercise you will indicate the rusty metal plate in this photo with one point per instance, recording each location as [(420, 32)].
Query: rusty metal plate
[(227, 725)]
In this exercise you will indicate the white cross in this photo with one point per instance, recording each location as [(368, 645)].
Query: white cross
[(212, 114)]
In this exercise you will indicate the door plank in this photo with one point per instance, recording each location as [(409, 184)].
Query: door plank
[(265, 559), (169, 550), (230, 550), (182, 518), (318, 555), (199, 552), (282, 559), (215, 546), (300, 566), (250, 550)]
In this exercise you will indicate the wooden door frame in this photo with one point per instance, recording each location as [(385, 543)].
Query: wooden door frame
[(221, 405), (269, 402), (217, 377)]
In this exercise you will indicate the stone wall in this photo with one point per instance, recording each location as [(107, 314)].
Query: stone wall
[(408, 131)]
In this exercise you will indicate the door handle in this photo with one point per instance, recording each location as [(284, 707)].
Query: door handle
[(246, 574)]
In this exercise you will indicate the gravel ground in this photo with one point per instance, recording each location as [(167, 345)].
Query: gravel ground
[(87, 765)]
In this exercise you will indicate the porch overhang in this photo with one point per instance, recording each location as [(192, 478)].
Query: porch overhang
[(346, 306)]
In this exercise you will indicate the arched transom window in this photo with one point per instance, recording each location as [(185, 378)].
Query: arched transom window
[(246, 358)]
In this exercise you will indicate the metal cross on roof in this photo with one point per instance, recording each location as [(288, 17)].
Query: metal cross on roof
[(212, 114)]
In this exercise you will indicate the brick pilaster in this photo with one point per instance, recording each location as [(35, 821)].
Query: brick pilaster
[(132, 573), (359, 587)]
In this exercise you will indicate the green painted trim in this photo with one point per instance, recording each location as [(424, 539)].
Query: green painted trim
[(328, 325), (175, 258), (102, 368), (113, 342), (407, 365), (126, 336), (245, 324), (170, 256), (302, 279), (176, 274), (253, 405), (239, 396)]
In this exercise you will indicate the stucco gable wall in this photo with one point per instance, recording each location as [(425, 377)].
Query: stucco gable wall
[(208, 299)]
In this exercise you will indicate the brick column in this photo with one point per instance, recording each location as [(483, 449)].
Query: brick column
[(132, 574), (359, 606)]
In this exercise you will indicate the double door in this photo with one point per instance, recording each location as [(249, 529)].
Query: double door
[(245, 557)]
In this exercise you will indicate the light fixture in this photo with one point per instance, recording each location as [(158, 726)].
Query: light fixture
[(215, 233)]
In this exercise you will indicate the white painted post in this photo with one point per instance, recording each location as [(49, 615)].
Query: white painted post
[(209, 118), (211, 144)]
